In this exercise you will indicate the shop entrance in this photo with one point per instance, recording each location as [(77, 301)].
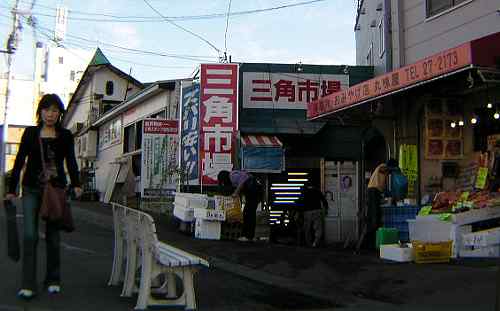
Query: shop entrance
[(341, 191)]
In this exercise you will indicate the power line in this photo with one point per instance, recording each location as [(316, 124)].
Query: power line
[(182, 28), (227, 26), (145, 19), (186, 57)]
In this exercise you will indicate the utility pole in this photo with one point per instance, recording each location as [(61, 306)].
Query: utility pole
[(11, 47)]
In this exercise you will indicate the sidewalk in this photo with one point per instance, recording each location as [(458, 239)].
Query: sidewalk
[(355, 282)]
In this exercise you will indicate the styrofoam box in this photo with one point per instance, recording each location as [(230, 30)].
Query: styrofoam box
[(207, 230), (483, 238), (191, 200), (209, 214), (482, 252), (396, 253), (429, 230), (183, 213)]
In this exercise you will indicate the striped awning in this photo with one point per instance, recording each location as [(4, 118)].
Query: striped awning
[(260, 141)]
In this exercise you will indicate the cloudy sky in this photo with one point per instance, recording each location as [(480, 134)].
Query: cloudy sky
[(132, 34)]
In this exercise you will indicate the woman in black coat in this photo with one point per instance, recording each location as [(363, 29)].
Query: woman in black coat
[(58, 147)]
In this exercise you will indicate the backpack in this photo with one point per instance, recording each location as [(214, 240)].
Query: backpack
[(399, 185)]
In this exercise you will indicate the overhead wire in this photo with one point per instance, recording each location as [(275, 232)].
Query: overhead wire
[(141, 19), (179, 56), (182, 28)]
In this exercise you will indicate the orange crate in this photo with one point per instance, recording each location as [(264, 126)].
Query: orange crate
[(432, 252)]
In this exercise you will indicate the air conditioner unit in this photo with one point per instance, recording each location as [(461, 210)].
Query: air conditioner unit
[(88, 143), (76, 127)]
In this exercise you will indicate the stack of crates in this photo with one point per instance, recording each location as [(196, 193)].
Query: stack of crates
[(396, 217)]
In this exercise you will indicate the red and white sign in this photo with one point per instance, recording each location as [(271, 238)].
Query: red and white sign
[(277, 90), (218, 119), (158, 126)]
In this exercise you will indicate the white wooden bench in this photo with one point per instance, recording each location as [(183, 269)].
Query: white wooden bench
[(154, 259)]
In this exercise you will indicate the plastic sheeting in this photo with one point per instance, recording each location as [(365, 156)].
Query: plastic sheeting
[(262, 159)]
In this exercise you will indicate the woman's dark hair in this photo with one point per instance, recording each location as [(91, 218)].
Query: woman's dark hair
[(47, 101)]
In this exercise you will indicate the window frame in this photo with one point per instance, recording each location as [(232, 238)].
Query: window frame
[(369, 56), (381, 36), (109, 88), (454, 4)]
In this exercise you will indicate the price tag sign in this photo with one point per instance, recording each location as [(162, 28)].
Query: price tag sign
[(482, 174)]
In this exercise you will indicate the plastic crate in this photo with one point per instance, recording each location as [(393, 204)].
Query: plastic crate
[(432, 252), (397, 214), (386, 236)]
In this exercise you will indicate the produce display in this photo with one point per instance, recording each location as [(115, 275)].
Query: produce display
[(457, 202)]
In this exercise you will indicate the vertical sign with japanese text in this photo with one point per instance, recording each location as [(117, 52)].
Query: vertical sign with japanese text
[(218, 119), (160, 141), (190, 99)]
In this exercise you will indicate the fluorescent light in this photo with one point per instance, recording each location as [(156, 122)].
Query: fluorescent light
[(287, 221), (284, 202), (285, 188), (288, 193), (276, 212), (297, 174), (288, 185), (298, 179), (287, 198)]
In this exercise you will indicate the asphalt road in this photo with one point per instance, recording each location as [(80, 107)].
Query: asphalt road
[(86, 263)]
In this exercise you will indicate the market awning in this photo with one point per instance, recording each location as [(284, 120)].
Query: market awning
[(262, 153), (260, 141), (483, 52)]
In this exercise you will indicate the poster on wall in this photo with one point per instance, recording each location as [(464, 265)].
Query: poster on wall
[(218, 119), (160, 141), (443, 142), (190, 133)]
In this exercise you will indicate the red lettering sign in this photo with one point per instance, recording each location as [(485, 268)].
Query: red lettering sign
[(433, 66)]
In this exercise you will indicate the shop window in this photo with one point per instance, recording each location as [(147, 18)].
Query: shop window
[(110, 88), (72, 75), (159, 115), (132, 137), (138, 135), (129, 139), (434, 7)]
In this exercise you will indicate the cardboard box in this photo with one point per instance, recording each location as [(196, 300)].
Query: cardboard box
[(483, 238), (207, 230), (397, 253)]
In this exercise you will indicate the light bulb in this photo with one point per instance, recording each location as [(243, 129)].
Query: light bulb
[(460, 123), (453, 124), (473, 120), (496, 115), (489, 105)]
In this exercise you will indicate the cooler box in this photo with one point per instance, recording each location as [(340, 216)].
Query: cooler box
[(207, 230), (397, 253), (386, 236), (183, 213)]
